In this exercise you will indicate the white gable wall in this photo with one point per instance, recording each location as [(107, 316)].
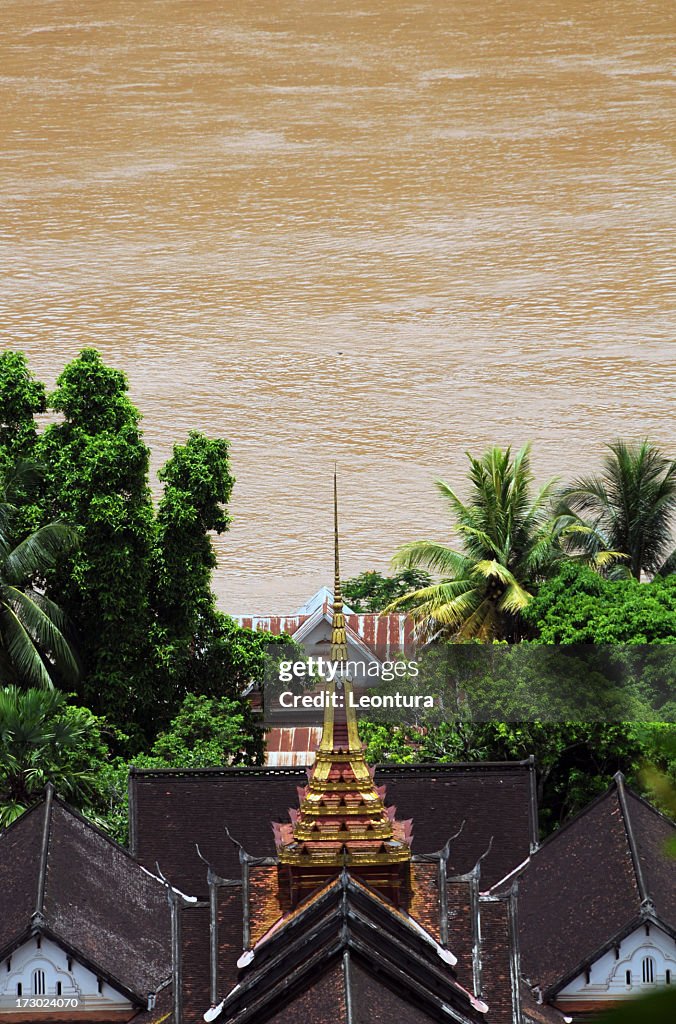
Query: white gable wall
[(608, 975), (76, 980)]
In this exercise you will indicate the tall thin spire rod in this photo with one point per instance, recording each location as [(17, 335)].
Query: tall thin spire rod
[(338, 634), (337, 596)]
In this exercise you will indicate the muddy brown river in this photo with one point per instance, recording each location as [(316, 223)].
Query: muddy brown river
[(375, 233)]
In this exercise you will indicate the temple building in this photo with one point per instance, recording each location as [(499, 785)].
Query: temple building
[(85, 931), (336, 894)]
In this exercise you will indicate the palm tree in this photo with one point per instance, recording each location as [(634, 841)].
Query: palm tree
[(508, 545), (32, 640), (42, 739), (621, 520)]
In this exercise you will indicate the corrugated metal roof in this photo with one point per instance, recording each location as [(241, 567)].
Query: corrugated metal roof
[(385, 635)]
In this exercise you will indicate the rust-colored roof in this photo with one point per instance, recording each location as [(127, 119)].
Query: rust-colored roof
[(287, 746), (384, 635)]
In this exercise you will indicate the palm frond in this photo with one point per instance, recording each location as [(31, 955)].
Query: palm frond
[(436, 557), (39, 551), (22, 651), (44, 632)]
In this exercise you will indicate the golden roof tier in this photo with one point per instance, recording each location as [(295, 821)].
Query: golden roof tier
[(342, 820)]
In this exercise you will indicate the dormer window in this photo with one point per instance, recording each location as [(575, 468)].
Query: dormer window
[(648, 970)]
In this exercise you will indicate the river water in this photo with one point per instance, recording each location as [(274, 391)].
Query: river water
[(378, 233)]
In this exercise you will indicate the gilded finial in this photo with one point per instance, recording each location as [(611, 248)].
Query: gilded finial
[(338, 634)]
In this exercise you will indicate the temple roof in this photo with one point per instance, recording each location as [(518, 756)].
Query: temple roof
[(346, 939), (591, 883), (71, 882), (171, 810)]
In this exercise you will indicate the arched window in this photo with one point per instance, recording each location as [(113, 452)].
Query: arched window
[(648, 970), (39, 986)]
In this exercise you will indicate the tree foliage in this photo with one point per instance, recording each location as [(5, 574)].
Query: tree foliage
[(621, 518), (22, 397), (137, 587), (508, 540), (575, 761), (207, 732), (33, 646), (577, 606), (44, 739), (96, 476), (372, 592)]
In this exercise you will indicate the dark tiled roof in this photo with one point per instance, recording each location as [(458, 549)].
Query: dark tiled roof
[(538, 1013), (590, 882), (347, 925), (323, 1002), (195, 972), (652, 832), (173, 810), (496, 980), (88, 894), (20, 847)]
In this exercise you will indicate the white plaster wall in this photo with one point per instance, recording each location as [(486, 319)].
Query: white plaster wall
[(78, 982), (608, 974)]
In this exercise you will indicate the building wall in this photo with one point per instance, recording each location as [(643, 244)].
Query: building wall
[(620, 973), (76, 981)]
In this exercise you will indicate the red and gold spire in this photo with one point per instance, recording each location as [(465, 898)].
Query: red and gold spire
[(342, 820)]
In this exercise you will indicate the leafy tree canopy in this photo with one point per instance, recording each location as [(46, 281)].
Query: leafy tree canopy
[(21, 397), (137, 587), (33, 646), (372, 592), (207, 732), (577, 606), (508, 544), (575, 761), (44, 739)]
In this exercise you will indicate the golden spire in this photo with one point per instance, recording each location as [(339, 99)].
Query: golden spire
[(338, 634), (342, 819), (340, 657)]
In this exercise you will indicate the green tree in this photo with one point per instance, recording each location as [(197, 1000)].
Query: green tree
[(207, 732), (574, 761), (508, 543), (577, 606), (21, 398), (371, 591), (197, 487), (138, 587), (43, 739), (622, 519), (96, 476)]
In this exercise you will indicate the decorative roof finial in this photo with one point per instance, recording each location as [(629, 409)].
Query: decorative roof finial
[(342, 821), (338, 634)]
